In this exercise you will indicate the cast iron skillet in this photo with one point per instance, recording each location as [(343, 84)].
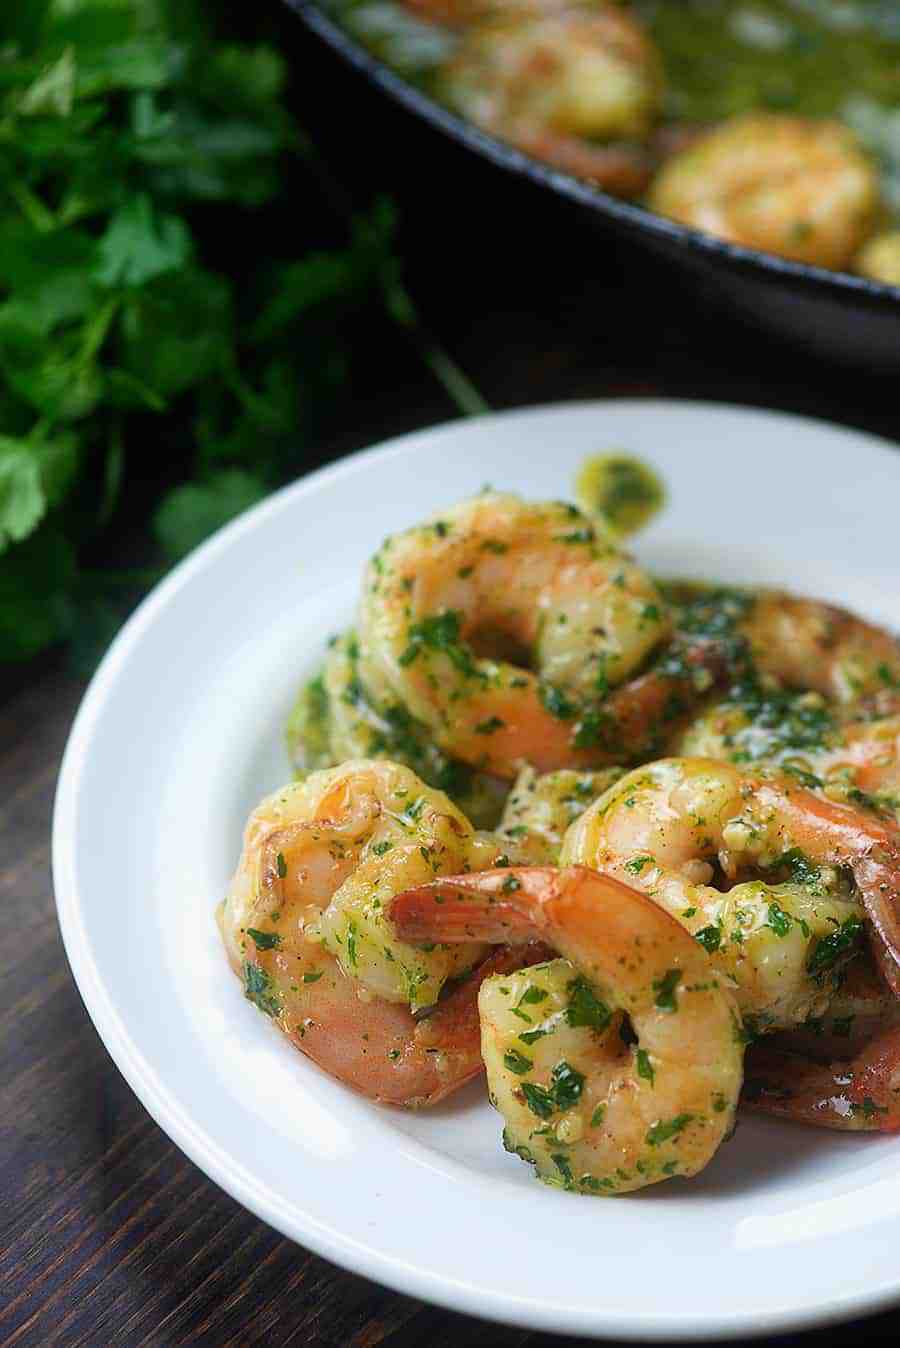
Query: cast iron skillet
[(846, 317)]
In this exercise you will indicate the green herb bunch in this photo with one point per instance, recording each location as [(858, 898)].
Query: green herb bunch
[(137, 148)]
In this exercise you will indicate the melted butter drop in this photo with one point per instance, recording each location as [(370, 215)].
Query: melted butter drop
[(622, 491)]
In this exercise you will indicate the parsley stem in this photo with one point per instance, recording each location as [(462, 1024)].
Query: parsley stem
[(399, 303), (96, 329), (456, 383), (36, 213)]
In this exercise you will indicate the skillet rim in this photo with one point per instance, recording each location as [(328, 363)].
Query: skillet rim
[(838, 285)]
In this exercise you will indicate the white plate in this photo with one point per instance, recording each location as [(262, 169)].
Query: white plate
[(181, 732)]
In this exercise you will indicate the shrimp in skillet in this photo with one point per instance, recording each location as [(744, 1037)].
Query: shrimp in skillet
[(615, 1066), (773, 881), (579, 87), (800, 188), (516, 634), (303, 928)]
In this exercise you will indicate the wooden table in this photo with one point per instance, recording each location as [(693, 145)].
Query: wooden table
[(108, 1235)]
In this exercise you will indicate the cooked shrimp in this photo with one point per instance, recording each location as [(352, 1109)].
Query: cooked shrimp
[(592, 1112), (861, 765), (558, 84), (528, 585), (337, 718), (785, 931), (802, 189), (812, 645), (302, 928), (880, 258), (544, 805), (850, 754), (861, 1008), (460, 13), (861, 1093), (802, 644)]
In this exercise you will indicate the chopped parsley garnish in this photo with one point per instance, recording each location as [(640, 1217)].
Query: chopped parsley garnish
[(510, 885), (562, 1164), (830, 949), (710, 938), (538, 1099), (259, 989), (313, 976), (585, 1007), (532, 1036), (594, 728), (637, 864), (440, 632), (567, 1085), (564, 1091), (281, 866), (381, 848), (351, 943), (264, 940), (645, 1066), (598, 1116), (532, 995), (489, 726), (801, 870), (780, 921), (666, 1129), (554, 701), (517, 1062), (665, 990)]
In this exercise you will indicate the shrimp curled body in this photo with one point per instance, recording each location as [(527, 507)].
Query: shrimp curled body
[(595, 1110), (785, 930), (803, 189), (516, 633), (303, 928)]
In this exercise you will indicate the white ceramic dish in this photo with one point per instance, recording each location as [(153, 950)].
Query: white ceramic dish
[(181, 732)]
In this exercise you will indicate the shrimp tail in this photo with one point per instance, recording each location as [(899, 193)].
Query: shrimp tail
[(507, 905), (861, 1094), (460, 904), (838, 834)]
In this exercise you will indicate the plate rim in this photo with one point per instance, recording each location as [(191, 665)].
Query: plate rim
[(170, 1114)]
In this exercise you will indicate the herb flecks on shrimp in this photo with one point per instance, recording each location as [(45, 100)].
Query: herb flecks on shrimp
[(615, 1066), (338, 718), (673, 826), (303, 927), (518, 634)]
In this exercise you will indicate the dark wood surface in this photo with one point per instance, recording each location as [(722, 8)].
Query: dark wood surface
[(108, 1235)]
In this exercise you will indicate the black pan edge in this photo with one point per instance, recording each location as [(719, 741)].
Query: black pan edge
[(814, 279)]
